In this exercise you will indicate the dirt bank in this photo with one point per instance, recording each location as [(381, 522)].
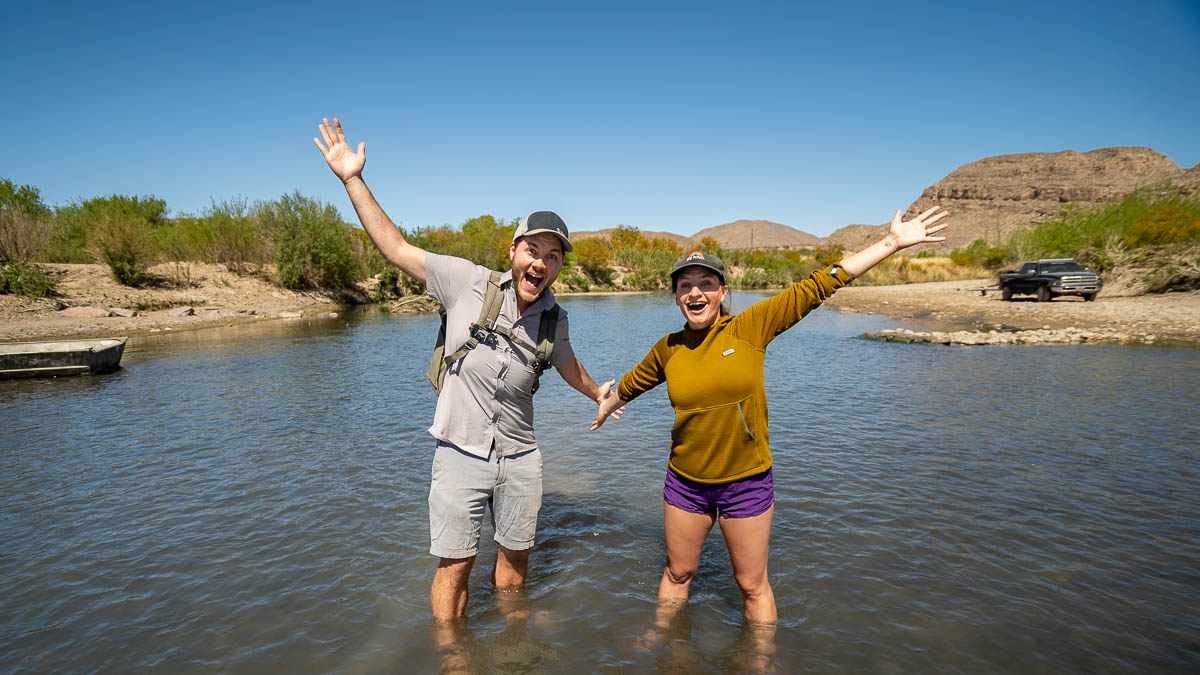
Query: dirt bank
[(1172, 317), (216, 296), (210, 296)]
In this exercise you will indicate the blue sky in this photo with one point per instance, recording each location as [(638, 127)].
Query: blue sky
[(663, 116)]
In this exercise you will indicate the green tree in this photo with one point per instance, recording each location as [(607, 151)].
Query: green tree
[(27, 198), (484, 240)]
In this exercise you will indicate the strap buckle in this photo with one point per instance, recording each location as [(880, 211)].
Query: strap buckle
[(482, 334)]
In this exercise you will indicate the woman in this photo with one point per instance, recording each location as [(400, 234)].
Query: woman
[(720, 463)]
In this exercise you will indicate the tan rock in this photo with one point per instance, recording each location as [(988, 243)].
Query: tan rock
[(993, 197)]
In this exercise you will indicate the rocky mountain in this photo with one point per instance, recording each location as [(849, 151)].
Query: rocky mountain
[(987, 199), (742, 234), (995, 196)]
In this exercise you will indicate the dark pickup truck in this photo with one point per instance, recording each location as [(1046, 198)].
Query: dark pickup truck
[(1050, 277)]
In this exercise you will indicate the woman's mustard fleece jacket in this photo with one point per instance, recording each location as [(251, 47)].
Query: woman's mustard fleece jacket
[(715, 382)]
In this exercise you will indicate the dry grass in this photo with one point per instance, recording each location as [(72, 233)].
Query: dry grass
[(910, 270)]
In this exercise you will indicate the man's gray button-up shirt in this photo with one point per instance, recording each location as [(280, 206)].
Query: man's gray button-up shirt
[(486, 397)]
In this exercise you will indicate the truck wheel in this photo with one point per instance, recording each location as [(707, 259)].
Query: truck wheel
[(1006, 293), (1043, 294), (1088, 297)]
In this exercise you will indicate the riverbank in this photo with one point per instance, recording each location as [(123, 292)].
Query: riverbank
[(91, 304), (950, 306)]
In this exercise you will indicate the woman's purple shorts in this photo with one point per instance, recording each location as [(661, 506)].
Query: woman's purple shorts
[(742, 498)]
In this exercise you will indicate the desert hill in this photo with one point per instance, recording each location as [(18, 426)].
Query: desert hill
[(988, 199), (743, 234), (995, 196), (679, 239)]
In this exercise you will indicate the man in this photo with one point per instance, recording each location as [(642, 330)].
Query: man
[(486, 453)]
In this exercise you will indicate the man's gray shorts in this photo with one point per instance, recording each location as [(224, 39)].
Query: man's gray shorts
[(464, 486)]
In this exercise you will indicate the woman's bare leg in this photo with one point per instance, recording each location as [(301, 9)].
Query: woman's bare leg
[(747, 539), (685, 533)]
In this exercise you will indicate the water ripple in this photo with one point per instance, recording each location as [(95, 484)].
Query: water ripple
[(254, 499)]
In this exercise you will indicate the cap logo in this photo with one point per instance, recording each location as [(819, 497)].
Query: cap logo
[(695, 255)]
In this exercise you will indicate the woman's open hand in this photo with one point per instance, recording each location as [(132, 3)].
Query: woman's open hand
[(916, 231)]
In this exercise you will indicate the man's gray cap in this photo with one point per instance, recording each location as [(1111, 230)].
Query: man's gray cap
[(544, 221)]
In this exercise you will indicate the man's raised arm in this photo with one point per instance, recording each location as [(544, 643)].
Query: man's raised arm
[(347, 165)]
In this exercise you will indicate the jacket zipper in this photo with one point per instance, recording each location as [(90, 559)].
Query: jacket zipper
[(744, 425)]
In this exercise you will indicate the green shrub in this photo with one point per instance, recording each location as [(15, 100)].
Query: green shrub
[(648, 279), (232, 238), (369, 257), (1149, 216), (828, 255), (593, 255), (979, 254), (649, 267), (24, 220), (23, 236), (752, 278), (25, 279), (1165, 223), (186, 239), (483, 240), (314, 248), (71, 233), (389, 286), (579, 283), (127, 245)]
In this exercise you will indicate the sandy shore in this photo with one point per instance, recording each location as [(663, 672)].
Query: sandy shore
[(950, 305), (215, 296)]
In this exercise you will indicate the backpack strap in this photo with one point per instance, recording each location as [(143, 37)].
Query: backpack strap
[(485, 329), (547, 327), (545, 346), (488, 313)]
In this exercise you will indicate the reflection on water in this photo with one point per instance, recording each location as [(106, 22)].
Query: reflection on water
[(253, 498)]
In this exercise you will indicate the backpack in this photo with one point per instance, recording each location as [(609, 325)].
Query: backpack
[(484, 329)]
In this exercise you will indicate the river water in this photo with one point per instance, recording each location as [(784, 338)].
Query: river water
[(253, 499)]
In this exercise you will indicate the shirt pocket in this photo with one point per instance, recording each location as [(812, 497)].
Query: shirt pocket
[(518, 372), (718, 443)]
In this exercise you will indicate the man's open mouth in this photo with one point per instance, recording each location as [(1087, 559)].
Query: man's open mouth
[(531, 281)]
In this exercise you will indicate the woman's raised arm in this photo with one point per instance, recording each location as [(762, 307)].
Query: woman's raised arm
[(903, 233)]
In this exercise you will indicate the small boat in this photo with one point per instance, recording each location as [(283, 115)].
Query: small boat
[(60, 357)]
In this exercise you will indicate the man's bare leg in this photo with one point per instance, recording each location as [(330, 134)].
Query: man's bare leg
[(511, 566), (448, 595)]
